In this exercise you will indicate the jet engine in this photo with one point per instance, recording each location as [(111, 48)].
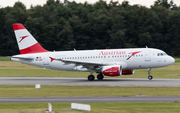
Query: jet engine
[(114, 70), (127, 71)]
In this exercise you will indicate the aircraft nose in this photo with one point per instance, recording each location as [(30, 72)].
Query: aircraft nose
[(171, 60)]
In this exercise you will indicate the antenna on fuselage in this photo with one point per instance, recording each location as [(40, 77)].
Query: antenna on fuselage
[(74, 49), (146, 47)]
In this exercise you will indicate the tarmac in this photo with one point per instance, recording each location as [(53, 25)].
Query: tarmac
[(126, 82), (121, 82)]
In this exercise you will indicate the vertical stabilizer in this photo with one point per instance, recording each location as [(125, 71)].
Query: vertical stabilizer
[(26, 42)]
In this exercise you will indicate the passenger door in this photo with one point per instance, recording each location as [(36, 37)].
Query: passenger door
[(147, 55), (45, 60)]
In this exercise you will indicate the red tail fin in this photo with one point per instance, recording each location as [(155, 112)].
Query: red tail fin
[(26, 42)]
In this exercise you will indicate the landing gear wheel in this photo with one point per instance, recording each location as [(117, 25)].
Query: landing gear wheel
[(149, 72), (100, 76), (150, 77), (91, 77)]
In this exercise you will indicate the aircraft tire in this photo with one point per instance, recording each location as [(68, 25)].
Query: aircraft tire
[(150, 77), (100, 77), (91, 77)]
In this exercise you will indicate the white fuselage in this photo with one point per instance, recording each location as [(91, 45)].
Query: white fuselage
[(127, 58), (109, 62)]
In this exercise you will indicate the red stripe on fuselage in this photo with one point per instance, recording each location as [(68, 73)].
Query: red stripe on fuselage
[(36, 48), (18, 26)]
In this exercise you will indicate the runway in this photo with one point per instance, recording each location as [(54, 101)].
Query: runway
[(126, 82), (93, 99)]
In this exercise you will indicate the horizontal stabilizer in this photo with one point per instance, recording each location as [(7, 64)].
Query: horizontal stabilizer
[(22, 58)]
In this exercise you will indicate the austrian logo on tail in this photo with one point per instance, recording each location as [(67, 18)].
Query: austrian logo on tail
[(23, 37), (132, 54)]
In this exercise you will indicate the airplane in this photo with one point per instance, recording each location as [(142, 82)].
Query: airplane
[(105, 62)]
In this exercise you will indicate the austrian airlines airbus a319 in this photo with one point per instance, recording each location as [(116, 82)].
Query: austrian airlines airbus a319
[(109, 62)]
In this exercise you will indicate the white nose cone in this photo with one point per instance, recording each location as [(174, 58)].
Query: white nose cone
[(171, 60)]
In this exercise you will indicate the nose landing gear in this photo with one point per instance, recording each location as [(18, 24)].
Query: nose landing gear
[(149, 72)]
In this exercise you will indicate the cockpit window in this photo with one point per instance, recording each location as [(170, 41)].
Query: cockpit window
[(161, 54)]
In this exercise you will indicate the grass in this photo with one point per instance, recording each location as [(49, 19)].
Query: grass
[(4, 58), (118, 107), (10, 68), (78, 91), (15, 69)]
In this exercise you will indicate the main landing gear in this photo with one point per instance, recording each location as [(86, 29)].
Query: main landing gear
[(91, 77), (149, 72), (99, 77)]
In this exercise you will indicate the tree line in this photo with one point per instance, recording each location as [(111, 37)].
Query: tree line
[(66, 25)]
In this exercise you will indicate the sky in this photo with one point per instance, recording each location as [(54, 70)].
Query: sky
[(28, 3)]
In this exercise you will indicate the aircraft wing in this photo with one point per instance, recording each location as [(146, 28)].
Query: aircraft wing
[(82, 62), (85, 64)]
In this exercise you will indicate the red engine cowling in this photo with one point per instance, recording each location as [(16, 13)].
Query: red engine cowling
[(127, 71), (114, 70)]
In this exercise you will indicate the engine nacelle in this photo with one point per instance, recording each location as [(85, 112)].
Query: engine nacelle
[(114, 70), (127, 71)]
